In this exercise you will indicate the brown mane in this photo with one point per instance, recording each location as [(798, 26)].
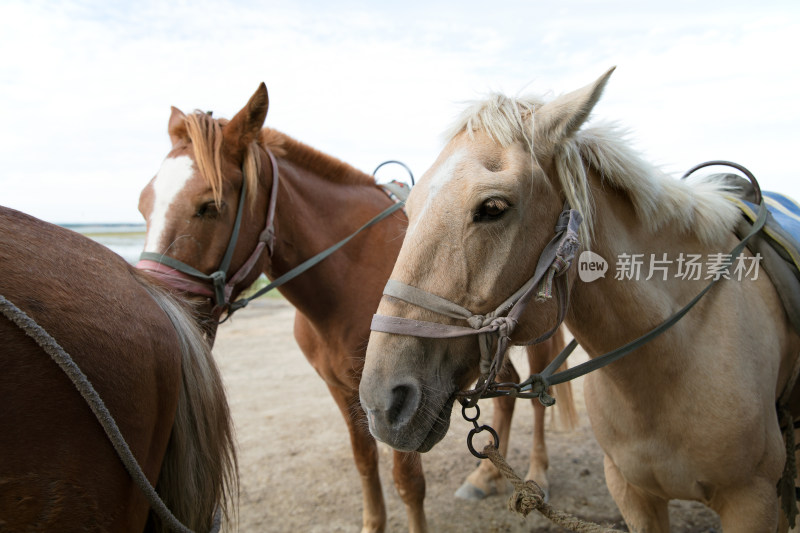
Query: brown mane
[(205, 134), (312, 159)]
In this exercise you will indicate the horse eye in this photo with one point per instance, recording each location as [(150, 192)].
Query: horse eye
[(491, 209), (208, 210)]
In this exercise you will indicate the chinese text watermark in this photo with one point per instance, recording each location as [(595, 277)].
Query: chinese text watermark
[(691, 267)]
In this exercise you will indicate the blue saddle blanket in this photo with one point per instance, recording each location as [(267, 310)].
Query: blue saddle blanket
[(777, 244), (783, 225)]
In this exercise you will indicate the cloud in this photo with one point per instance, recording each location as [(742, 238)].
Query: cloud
[(87, 86)]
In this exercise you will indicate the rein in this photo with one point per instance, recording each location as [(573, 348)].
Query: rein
[(547, 377), (308, 263), (555, 259)]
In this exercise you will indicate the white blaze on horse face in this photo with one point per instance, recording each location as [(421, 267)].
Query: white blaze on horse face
[(440, 178), (172, 177)]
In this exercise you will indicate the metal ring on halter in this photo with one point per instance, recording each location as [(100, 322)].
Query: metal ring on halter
[(474, 419), (477, 429), (411, 174), (474, 431)]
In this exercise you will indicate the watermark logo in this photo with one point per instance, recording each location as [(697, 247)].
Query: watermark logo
[(686, 266), (591, 266)]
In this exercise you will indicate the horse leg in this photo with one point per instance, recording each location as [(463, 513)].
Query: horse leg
[(365, 454), (486, 479), (410, 482), (643, 513), (539, 356), (752, 507)]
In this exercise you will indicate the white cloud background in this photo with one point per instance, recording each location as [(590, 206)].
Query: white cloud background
[(85, 87)]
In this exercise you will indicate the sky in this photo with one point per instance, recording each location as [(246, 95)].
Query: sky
[(86, 87)]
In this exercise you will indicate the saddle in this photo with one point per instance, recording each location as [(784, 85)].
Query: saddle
[(778, 243), (396, 190)]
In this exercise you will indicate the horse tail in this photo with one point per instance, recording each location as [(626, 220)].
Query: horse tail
[(565, 401), (199, 474)]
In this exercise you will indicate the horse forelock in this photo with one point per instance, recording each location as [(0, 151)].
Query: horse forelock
[(205, 135), (505, 119), (699, 208)]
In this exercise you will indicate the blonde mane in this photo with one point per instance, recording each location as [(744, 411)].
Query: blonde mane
[(699, 208)]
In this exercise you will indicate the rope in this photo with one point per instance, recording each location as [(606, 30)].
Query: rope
[(528, 496), (101, 412)]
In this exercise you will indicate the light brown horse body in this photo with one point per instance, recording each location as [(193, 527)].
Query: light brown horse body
[(149, 363), (690, 415), (320, 201)]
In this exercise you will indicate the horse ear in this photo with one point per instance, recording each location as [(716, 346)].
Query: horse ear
[(176, 126), (245, 126), (560, 118)]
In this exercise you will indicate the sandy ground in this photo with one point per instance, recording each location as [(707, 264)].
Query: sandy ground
[(295, 461)]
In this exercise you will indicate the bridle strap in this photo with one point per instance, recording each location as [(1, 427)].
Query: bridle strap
[(175, 278), (218, 277), (179, 275), (502, 321), (225, 264), (268, 235)]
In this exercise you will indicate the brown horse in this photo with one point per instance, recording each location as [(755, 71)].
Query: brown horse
[(149, 363), (191, 210), (689, 415)]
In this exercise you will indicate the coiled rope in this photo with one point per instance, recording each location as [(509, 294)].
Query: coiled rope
[(528, 496)]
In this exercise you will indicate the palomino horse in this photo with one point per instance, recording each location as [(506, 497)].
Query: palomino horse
[(191, 208), (147, 360), (690, 415)]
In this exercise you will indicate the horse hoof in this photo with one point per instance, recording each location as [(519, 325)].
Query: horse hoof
[(468, 491)]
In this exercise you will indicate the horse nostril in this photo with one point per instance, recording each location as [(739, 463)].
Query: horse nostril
[(400, 396)]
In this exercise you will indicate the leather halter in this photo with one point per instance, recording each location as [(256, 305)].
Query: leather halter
[(216, 285), (553, 263)]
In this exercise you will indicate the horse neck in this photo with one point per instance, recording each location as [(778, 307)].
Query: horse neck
[(607, 313), (314, 213)]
